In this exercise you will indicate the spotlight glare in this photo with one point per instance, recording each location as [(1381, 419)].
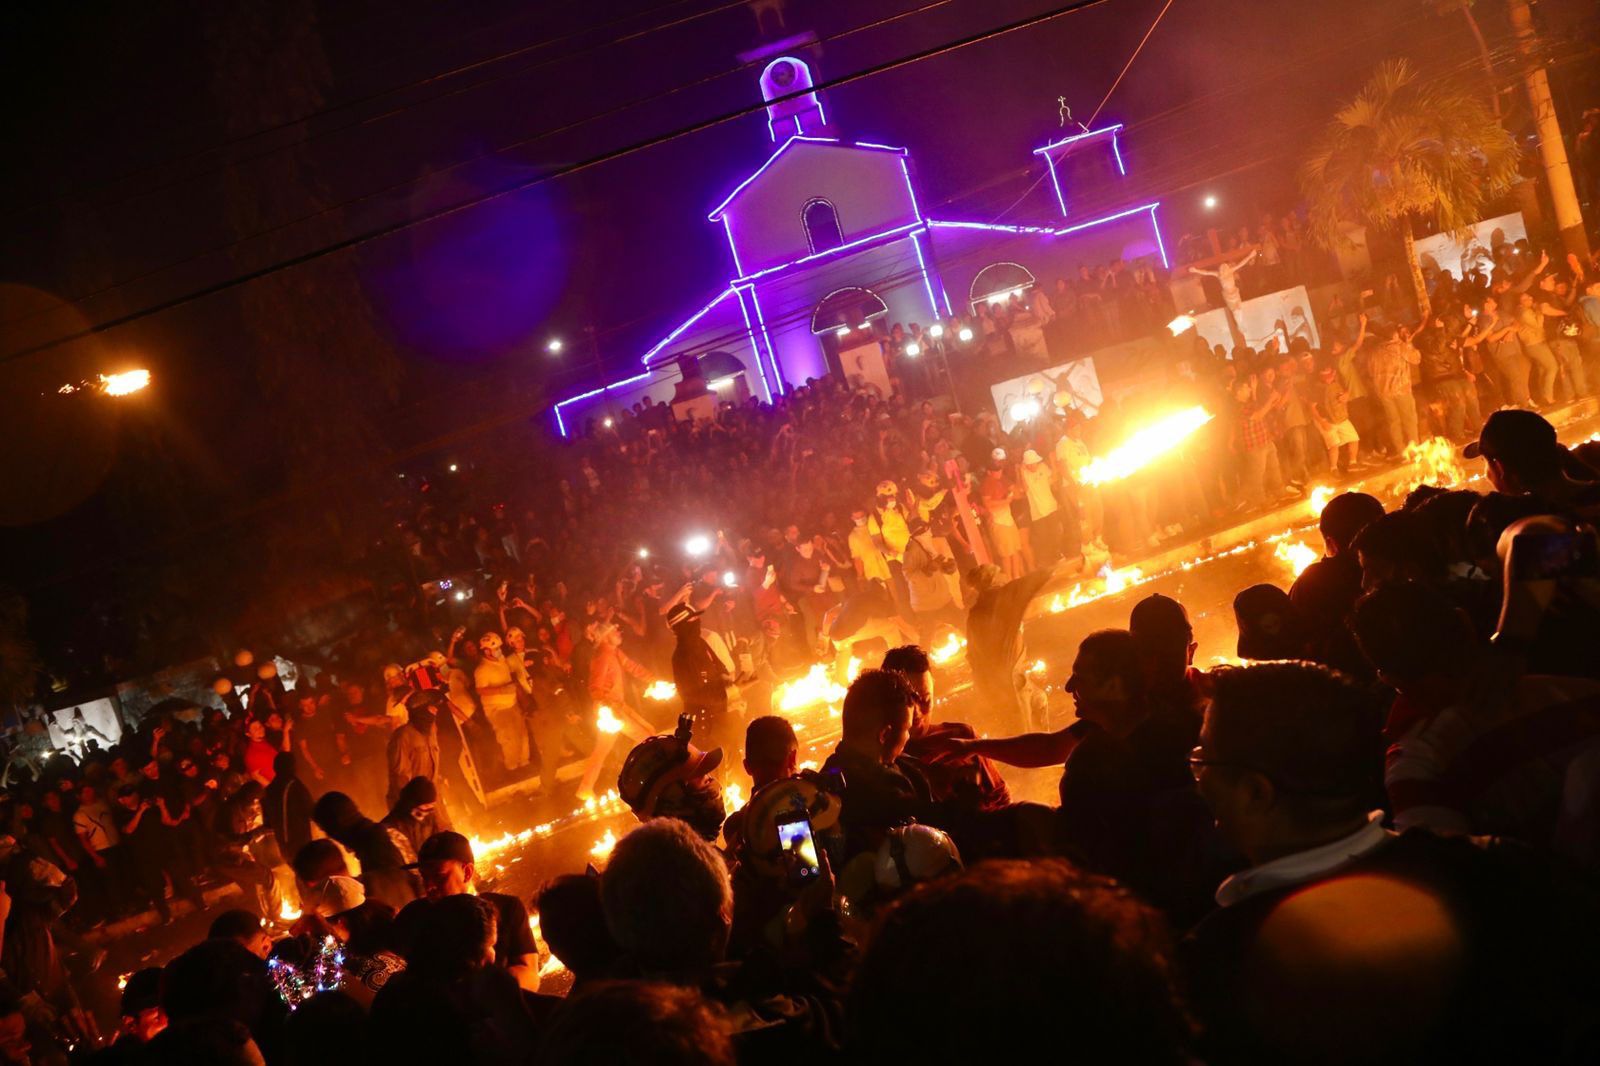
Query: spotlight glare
[(698, 545)]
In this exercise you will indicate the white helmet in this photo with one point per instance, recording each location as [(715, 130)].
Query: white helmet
[(912, 854)]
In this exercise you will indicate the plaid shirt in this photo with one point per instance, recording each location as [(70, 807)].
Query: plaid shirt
[(1389, 367), (1253, 432)]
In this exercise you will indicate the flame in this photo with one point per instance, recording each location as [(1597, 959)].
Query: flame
[(1038, 667), (552, 965), (808, 691), (948, 649), (601, 851), (733, 796), (288, 912), (1295, 554), (485, 850), (1320, 495), (1437, 463), (1057, 604), (122, 981), (1145, 446), (606, 720), (852, 669), (661, 690), (129, 381)]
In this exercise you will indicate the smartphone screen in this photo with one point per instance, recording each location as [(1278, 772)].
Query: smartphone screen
[(799, 850), (1544, 556)]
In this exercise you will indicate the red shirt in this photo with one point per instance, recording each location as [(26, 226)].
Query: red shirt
[(258, 756)]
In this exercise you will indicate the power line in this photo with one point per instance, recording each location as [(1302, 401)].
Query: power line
[(425, 175), (380, 94), (575, 168)]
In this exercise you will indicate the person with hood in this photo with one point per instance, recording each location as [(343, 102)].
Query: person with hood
[(502, 684), (286, 804), (414, 747), (417, 814), (387, 858)]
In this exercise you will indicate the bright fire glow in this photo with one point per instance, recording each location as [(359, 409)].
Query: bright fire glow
[(1145, 446), (606, 720), (122, 981), (1181, 323), (1038, 667), (699, 544), (1320, 495), (552, 965), (732, 796), (1436, 463), (601, 851), (852, 669), (947, 650), (817, 686), (288, 912), (1295, 554), (661, 690), (129, 381)]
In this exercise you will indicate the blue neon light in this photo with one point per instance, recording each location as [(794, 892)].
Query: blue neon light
[(685, 324), (750, 335)]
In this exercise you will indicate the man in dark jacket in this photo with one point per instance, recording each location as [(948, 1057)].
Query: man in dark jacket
[(286, 804), (386, 857), (701, 675)]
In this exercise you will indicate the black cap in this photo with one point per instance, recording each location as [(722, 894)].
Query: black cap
[(1514, 434), (445, 846)]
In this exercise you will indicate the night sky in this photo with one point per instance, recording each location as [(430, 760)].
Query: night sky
[(148, 140)]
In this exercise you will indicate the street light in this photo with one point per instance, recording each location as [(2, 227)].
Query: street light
[(697, 545), (644, 553), (554, 346), (1210, 202)]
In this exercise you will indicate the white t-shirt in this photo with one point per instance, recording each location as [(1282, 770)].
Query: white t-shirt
[(93, 822), (1036, 480)]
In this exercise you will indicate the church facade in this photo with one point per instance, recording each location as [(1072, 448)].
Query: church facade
[(827, 242)]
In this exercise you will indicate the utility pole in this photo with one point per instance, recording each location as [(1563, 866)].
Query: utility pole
[(1552, 149)]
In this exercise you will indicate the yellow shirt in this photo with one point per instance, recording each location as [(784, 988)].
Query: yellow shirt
[(874, 567)]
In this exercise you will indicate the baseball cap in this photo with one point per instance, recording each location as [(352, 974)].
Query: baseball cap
[(659, 761), (998, 455), (1513, 434), (680, 614), (445, 846), (1030, 457), (333, 895)]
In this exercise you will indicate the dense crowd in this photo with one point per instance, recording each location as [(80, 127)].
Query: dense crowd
[(1376, 846), (1375, 841)]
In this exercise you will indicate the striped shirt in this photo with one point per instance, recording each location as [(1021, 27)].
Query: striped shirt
[(1497, 767)]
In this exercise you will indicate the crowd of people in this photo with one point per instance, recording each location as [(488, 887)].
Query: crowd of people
[(1373, 841), (1271, 863)]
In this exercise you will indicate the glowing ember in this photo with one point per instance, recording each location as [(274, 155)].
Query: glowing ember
[(601, 851), (948, 649), (288, 912), (129, 381), (1038, 667), (1320, 495), (1295, 554), (122, 981), (732, 796), (808, 691), (606, 720), (661, 690), (1145, 446)]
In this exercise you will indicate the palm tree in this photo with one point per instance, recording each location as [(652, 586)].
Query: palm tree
[(1406, 150)]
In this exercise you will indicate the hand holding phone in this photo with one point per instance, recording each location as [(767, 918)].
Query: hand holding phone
[(799, 850)]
